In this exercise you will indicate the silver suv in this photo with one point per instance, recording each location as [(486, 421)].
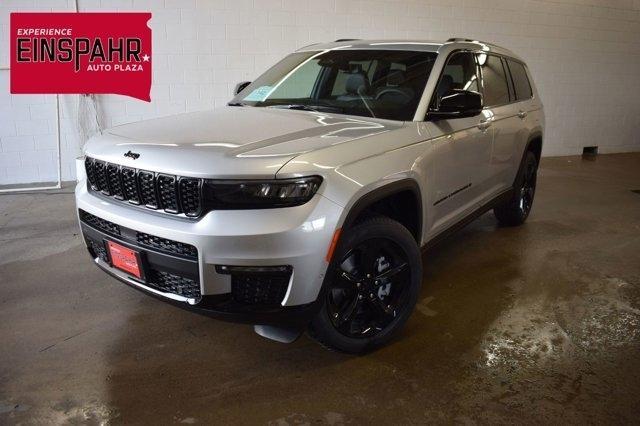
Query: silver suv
[(304, 204)]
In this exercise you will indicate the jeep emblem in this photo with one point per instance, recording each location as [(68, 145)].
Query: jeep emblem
[(133, 155)]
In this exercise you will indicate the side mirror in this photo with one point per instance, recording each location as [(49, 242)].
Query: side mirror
[(457, 104), (240, 87)]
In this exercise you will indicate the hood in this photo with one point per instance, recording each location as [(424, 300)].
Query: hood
[(229, 142)]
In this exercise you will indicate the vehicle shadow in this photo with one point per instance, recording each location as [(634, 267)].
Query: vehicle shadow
[(171, 365)]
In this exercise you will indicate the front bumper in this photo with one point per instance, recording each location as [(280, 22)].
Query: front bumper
[(220, 307), (297, 237)]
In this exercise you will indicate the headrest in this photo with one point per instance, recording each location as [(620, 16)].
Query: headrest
[(396, 78), (355, 82)]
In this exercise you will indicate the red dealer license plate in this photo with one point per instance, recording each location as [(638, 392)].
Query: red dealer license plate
[(124, 259)]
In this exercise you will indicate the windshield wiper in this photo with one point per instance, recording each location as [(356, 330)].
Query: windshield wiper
[(236, 104), (295, 106), (303, 107)]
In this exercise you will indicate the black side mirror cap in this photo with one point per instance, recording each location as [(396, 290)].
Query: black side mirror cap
[(457, 104), (240, 87)]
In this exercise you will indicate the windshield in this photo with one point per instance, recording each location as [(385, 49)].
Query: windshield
[(373, 83)]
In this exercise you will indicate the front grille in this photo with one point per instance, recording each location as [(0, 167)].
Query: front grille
[(90, 170), (147, 182), (190, 196), (100, 174), (172, 194), (167, 245), (129, 185), (172, 283), (100, 224), (114, 181), (258, 289), (168, 193)]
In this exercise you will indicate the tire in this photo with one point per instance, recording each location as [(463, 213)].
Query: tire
[(515, 211), (360, 313)]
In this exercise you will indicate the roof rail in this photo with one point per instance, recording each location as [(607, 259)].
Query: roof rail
[(454, 39), (346, 39), (468, 40)]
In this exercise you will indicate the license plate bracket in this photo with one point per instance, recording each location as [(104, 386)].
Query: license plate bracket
[(125, 259)]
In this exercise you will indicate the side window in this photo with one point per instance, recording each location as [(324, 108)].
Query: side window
[(494, 80), (520, 80), (512, 93), (459, 73)]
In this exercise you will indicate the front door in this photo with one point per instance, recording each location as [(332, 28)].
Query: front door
[(461, 150)]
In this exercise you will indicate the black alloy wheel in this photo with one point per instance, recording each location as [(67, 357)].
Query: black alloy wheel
[(372, 288), (516, 210), (369, 288), (528, 187)]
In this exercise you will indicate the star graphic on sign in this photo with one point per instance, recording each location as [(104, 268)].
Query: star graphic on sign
[(145, 58)]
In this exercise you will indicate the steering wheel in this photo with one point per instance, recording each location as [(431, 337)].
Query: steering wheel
[(393, 90)]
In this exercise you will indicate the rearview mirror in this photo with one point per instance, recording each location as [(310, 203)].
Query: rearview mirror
[(240, 87), (457, 104)]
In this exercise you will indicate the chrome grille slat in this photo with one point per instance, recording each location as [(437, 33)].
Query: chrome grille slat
[(157, 191)]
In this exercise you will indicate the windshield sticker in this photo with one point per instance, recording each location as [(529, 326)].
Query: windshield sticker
[(259, 94)]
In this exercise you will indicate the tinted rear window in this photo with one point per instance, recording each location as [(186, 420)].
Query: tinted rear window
[(494, 80), (520, 80)]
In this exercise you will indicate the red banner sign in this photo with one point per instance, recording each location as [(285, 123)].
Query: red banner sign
[(81, 53)]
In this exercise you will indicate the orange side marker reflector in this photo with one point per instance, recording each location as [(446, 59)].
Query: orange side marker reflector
[(334, 243)]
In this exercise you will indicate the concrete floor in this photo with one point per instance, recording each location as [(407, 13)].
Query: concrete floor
[(535, 324)]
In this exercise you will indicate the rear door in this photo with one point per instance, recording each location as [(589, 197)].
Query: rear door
[(499, 104), (524, 108)]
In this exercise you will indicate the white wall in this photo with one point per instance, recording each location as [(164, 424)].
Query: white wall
[(583, 54)]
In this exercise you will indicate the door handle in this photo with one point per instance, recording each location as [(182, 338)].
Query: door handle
[(484, 124), (522, 114)]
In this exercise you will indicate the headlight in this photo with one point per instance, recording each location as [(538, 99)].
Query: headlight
[(259, 194)]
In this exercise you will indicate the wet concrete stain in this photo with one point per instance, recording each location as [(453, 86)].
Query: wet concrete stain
[(536, 324)]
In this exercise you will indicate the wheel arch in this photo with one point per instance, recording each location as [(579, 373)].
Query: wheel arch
[(534, 144), (404, 190)]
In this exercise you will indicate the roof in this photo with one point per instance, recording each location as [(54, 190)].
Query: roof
[(414, 45)]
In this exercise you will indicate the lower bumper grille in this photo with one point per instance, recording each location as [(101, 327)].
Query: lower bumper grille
[(168, 266), (101, 224), (172, 283), (98, 250), (154, 242), (259, 289), (167, 245)]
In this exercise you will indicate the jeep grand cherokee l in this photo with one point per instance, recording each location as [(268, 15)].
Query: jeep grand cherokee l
[(304, 203)]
